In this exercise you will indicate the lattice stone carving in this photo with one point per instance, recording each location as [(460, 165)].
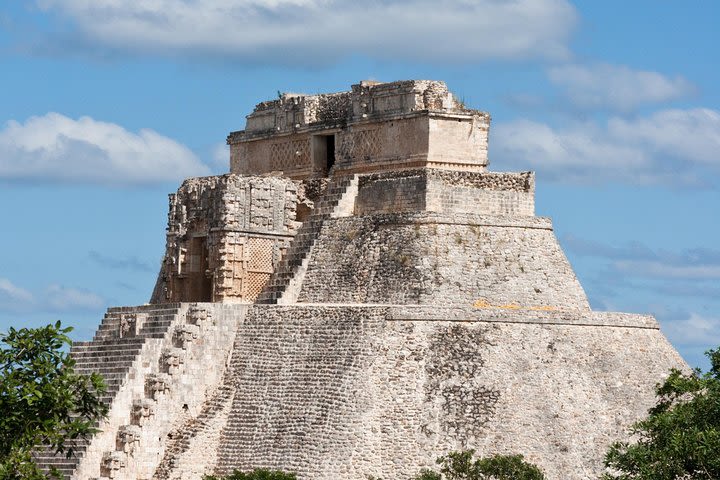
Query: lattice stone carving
[(365, 144), (289, 154), (142, 410), (255, 283), (259, 266), (260, 254)]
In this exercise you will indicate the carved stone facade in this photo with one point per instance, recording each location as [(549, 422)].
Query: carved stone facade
[(225, 235), (374, 127), (380, 300)]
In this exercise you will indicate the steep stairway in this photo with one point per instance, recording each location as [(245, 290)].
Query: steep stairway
[(112, 352), (336, 197)]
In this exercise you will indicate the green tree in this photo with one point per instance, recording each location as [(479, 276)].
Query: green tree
[(680, 438), (43, 401), (257, 474), (462, 466)]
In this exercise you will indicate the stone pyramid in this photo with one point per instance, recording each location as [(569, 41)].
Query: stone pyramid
[(358, 296)]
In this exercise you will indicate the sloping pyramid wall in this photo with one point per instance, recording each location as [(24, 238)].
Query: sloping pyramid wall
[(414, 333), (347, 391)]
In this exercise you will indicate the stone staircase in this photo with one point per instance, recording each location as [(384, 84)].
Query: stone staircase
[(338, 200), (112, 352)]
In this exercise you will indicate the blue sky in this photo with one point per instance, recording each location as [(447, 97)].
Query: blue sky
[(106, 105)]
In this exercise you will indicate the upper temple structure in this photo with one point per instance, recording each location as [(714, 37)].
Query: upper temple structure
[(356, 297)]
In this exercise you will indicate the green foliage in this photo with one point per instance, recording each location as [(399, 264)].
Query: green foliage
[(462, 466), (680, 438), (257, 474), (42, 400)]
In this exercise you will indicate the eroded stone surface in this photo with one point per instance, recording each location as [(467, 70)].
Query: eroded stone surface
[(422, 308)]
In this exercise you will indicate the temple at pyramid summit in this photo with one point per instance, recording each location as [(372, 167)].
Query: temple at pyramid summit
[(356, 297)]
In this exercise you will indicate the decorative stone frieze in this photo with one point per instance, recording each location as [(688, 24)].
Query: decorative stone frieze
[(172, 360), (112, 463), (186, 334), (157, 384), (142, 410), (128, 438), (198, 316)]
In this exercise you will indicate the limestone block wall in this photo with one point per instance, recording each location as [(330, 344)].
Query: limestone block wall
[(343, 392), (438, 259), (459, 142), (447, 191), (225, 235)]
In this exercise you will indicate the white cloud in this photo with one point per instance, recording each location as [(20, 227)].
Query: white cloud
[(655, 269), (671, 146), (53, 298), (694, 330), (300, 31), (12, 293), (55, 147), (66, 298), (221, 157), (693, 134), (617, 86)]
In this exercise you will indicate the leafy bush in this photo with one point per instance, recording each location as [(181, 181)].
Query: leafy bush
[(680, 438), (462, 466), (257, 474), (42, 400)]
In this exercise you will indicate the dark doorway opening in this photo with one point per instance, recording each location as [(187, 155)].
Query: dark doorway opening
[(323, 153), (330, 151), (199, 285)]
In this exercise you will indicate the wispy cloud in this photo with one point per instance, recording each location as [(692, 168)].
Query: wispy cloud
[(221, 157), (662, 269), (635, 259), (302, 31), (676, 147), (695, 329), (12, 295), (616, 87), (57, 148), (53, 298), (58, 297), (124, 263)]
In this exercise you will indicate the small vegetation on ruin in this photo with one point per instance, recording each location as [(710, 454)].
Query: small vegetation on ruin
[(43, 401), (257, 474), (680, 438), (464, 466)]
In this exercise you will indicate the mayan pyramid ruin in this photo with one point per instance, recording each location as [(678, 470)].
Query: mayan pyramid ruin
[(358, 296)]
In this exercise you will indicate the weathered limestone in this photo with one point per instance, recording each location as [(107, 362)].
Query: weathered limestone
[(374, 127), (225, 236), (375, 300)]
